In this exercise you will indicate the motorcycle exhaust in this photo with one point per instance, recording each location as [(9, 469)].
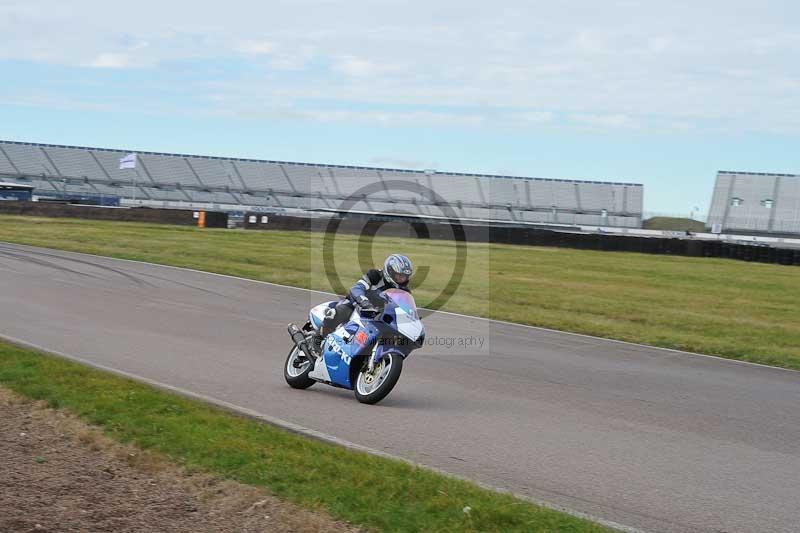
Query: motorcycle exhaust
[(301, 341)]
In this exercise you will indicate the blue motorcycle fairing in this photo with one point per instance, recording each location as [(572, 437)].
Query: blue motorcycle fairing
[(397, 329), (344, 345)]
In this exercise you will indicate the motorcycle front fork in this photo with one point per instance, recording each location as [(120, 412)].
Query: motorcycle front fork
[(371, 362)]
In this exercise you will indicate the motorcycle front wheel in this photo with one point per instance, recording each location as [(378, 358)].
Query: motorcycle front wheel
[(372, 387), (297, 368)]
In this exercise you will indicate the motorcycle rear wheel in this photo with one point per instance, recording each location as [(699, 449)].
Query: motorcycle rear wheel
[(370, 388)]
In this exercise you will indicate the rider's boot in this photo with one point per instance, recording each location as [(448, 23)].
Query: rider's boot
[(316, 344)]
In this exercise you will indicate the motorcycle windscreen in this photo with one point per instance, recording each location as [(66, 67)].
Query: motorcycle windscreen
[(408, 322)]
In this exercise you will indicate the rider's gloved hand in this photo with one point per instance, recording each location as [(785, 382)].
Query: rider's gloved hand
[(365, 306)]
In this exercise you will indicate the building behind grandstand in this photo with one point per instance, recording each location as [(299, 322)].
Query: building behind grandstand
[(190, 181), (755, 203)]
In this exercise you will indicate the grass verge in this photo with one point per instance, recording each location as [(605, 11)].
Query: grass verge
[(733, 309), (674, 224), (370, 491)]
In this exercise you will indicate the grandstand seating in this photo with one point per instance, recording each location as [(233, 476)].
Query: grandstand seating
[(278, 184), (756, 202)]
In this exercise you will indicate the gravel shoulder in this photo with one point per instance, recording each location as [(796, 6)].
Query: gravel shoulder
[(59, 474)]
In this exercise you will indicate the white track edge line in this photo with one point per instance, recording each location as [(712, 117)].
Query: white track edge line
[(504, 322), (314, 434)]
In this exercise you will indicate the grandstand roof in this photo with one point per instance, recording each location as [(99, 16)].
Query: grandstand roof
[(420, 172), (758, 173)]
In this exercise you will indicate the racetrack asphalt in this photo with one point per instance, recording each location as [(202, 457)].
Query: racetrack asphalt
[(654, 439)]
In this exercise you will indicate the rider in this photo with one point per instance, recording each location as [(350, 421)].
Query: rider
[(396, 274)]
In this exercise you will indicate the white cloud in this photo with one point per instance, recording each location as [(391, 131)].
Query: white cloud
[(659, 44), (616, 64), (537, 117), (354, 66), (47, 101), (359, 67), (288, 62), (371, 117), (612, 121), (256, 47), (111, 60)]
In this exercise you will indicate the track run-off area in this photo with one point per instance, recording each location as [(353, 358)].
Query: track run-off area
[(654, 439)]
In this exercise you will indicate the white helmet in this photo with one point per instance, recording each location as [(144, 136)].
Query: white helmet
[(397, 270)]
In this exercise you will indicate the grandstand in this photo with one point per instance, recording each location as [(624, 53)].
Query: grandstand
[(755, 203), (191, 181)]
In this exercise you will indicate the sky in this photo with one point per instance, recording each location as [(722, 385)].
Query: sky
[(659, 93)]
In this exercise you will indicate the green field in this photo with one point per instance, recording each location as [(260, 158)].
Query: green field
[(378, 493), (674, 224), (746, 311)]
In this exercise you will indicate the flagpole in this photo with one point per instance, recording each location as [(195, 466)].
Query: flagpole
[(136, 175), (129, 161)]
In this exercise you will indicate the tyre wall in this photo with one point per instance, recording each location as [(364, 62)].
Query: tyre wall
[(179, 217)]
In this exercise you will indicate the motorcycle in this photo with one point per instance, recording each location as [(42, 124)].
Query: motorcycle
[(365, 354)]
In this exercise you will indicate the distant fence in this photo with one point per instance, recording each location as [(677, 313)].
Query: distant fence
[(80, 199), (529, 236), (179, 217)]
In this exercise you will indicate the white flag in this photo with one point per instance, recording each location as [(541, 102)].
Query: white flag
[(129, 161)]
